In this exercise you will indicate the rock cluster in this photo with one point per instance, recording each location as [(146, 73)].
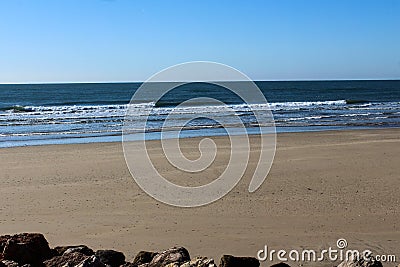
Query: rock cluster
[(32, 250)]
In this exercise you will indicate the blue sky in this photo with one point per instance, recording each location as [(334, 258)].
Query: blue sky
[(127, 40)]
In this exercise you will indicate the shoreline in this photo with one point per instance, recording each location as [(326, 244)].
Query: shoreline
[(322, 186), (154, 136)]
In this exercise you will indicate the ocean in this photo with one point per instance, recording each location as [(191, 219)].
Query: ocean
[(37, 114)]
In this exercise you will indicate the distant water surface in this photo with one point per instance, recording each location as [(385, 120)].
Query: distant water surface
[(80, 113)]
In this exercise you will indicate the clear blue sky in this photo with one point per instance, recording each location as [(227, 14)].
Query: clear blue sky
[(127, 40)]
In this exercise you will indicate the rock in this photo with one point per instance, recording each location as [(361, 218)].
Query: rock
[(7, 263), (177, 255), (70, 259), (128, 264), (91, 261), (143, 257), (25, 248), (58, 251), (199, 262), (281, 264), (363, 261), (3, 241), (111, 257), (231, 261)]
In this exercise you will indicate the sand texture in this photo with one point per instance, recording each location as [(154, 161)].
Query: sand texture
[(322, 186)]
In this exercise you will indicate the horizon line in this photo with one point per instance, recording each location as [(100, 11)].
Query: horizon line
[(277, 80)]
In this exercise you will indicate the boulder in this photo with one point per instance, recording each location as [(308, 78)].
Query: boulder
[(70, 259), (231, 261), (91, 261), (25, 248), (362, 261), (143, 257), (177, 255), (58, 251), (199, 262), (111, 257)]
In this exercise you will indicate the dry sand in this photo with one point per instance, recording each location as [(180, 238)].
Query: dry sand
[(322, 186)]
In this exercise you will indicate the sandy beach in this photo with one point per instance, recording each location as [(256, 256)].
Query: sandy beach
[(322, 186)]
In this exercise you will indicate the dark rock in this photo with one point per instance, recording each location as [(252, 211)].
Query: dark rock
[(91, 261), (366, 260), (111, 257), (69, 249), (70, 259), (7, 263), (199, 262), (177, 255), (231, 261), (281, 264), (3, 240), (54, 253), (25, 248), (81, 249), (143, 257), (128, 264)]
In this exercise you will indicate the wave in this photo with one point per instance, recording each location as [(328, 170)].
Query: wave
[(16, 108), (169, 103), (100, 113), (305, 103), (356, 101), (76, 108), (309, 103), (72, 108)]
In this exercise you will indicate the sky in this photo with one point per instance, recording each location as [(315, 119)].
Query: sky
[(130, 40)]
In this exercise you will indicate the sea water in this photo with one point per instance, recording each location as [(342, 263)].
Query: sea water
[(36, 114)]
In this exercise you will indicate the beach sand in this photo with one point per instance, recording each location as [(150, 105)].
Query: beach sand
[(322, 186)]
